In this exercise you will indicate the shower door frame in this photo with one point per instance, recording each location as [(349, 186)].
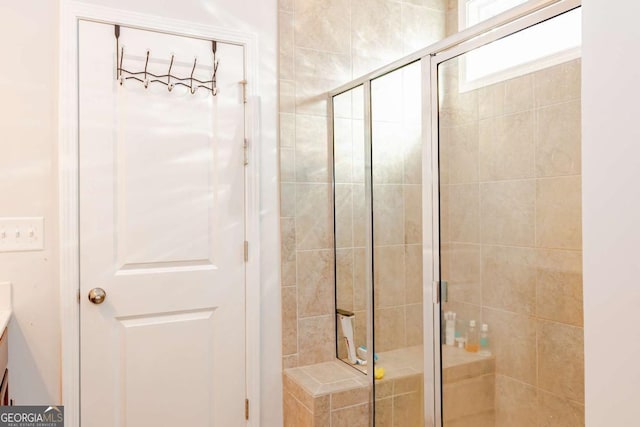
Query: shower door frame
[(431, 75), (503, 25)]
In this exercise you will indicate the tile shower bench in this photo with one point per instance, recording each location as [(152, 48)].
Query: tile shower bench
[(333, 394)]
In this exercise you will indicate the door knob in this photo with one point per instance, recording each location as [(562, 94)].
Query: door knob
[(97, 295)]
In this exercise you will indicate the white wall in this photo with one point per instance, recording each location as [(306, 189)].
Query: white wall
[(28, 88), (611, 211), (28, 127)]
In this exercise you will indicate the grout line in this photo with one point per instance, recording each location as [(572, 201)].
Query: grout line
[(355, 405), (315, 316), (325, 183), (297, 325), (317, 250), (498, 181), (530, 316), (323, 51), (557, 322), (553, 248), (554, 104), (538, 389), (315, 115), (535, 229), (533, 109)]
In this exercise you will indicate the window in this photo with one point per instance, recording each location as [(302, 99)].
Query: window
[(475, 11), (549, 43)]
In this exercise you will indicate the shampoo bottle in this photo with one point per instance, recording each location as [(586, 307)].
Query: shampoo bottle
[(473, 340), (485, 349)]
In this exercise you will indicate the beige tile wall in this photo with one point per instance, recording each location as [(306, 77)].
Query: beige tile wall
[(511, 233), (323, 44)]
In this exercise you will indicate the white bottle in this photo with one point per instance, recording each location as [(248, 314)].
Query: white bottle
[(485, 344), (473, 340), (450, 328), (346, 321)]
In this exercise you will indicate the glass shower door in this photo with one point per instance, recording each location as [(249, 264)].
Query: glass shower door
[(510, 230), (396, 167)]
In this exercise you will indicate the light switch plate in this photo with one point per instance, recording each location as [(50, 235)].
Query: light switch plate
[(21, 234)]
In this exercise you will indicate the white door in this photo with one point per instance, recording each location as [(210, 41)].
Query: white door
[(162, 231)]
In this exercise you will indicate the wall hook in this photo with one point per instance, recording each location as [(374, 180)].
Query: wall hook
[(169, 84), (146, 77), (214, 78), (119, 73), (146, 63), (191, 88)]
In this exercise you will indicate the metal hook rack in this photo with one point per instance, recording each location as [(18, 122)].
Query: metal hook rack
[(146, 77)]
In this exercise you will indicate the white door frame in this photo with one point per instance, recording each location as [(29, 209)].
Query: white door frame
[(68, 147)]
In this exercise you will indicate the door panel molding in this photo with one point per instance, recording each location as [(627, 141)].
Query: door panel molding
[(71, 12)]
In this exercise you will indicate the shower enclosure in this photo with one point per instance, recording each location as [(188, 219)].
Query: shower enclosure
[(457, 223)]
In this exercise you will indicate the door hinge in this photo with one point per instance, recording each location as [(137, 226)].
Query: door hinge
[(246, 251), (440, 291), (244, 91), (246, 409), (245, 147), (78, 296)]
